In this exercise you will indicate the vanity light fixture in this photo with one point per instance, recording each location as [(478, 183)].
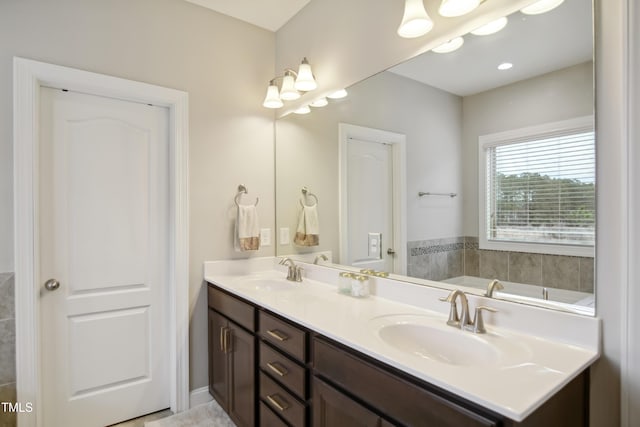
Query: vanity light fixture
[(320, 102), (449, 46), (491, 27), (292, 84), (341, 93), (505, 66), (415, 21), (541, 6), (453, 8)]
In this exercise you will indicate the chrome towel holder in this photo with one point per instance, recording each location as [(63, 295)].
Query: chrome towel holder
[(243, 190), (306, 193), (422, 193)]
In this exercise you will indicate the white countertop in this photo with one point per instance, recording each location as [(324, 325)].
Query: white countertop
[(558, 346)]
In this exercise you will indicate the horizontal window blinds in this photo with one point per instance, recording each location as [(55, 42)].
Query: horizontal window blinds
[(542, 190)]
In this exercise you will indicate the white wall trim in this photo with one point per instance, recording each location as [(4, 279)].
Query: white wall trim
[(29, 77), (398, 149), (199, 396)]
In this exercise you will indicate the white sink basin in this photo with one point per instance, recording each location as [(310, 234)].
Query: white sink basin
[(431, 339), (267, 282)]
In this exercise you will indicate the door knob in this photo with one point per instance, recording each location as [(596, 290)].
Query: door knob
[(391, 252), (51, 285)]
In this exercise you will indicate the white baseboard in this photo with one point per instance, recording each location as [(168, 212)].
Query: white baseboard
[(199, 396)]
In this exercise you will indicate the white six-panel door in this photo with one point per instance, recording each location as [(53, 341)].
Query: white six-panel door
[(104, 231)]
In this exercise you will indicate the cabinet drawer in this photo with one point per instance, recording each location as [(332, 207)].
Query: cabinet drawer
[(391, 395), (283, 335), (268, 418), (284, 370), (238, 311), (281, 401)]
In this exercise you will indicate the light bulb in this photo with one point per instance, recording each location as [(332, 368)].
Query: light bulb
[(452, 8), (415, 21)]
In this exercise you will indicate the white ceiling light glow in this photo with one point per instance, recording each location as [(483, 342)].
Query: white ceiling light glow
[(341, 93), (415, 21), (449, 46), (491, 28), (303, 110), (453, 8), (321, 102), (505, 66), (541, 6)]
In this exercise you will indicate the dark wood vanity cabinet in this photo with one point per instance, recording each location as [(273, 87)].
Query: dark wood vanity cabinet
[(270, 372), (232, 361)]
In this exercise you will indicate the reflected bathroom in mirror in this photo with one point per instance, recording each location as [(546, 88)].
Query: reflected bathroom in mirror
[(454, 169)]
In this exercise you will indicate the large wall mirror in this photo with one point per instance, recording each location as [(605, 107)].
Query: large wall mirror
[(454, 169)]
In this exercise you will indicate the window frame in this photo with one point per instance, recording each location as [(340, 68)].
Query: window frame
[(579, 124)]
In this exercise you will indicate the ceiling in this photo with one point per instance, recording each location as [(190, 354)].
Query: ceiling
[(267, 14), (534, 44)]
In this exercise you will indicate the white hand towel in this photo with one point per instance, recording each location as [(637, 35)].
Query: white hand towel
[(308, 231), (247, 235)]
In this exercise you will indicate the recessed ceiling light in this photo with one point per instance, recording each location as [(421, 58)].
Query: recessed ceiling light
[(491, 28), (449, 46), (505, 66)]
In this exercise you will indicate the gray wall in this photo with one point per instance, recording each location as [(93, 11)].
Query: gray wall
[(223, 63)]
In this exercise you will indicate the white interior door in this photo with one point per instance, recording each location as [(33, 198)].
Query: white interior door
[(104, 239), (370, 198)]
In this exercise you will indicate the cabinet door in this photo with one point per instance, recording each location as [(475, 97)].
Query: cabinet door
[(242, 371), (218, 369), (332, 408)]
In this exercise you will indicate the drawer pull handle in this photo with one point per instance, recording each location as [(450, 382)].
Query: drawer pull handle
[(277, 335), (278, 405), (277, 368)]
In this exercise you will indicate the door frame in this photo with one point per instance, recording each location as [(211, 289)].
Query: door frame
[(398, 144), (28, 78)]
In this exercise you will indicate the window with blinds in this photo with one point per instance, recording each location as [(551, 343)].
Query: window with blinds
[(539, 189)]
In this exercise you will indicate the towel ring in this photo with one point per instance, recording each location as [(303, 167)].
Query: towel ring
[(243, 190), (306, 194)]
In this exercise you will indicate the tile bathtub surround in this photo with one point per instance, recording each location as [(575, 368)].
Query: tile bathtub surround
[(441, 259), (7, 348)]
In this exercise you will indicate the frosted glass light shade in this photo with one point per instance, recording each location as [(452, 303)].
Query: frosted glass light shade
[(341, 93), (321, 102), (288, 91), (449, 46), (452, 8), (491, 27), (541, 6), (272, 100), (415, 21), (305, 81), (303, 110)]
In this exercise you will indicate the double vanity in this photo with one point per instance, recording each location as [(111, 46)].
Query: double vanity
[(288, 353)]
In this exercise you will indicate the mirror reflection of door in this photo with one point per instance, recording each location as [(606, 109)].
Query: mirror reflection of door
[(369, 194)]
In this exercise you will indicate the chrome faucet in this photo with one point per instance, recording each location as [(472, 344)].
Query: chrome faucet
[(320, 257), (464, 321), (492, 287), (294, 272)]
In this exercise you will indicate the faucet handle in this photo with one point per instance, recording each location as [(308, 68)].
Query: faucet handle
[(454, 320), (477, 327)]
